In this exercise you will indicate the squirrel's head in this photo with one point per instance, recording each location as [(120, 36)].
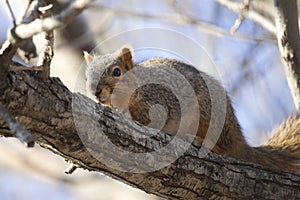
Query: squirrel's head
[(104, 71)]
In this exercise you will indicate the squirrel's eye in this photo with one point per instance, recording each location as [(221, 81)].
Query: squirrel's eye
[(117, 72)]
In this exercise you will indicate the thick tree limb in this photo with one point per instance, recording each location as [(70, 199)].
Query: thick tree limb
[(286, 15), (45, 108), (61, 121), (18, 129)]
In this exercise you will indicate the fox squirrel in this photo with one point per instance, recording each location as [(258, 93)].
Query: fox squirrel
[(104, 72)]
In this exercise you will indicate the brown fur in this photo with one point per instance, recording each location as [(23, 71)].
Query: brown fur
[(281, 152)]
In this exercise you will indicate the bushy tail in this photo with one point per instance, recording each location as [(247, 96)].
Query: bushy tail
[(282, 150)]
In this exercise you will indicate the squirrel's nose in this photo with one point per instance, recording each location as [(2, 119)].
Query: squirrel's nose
[(103, 101)]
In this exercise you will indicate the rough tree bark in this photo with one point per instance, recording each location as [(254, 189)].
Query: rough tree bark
[(60, 121), (47, 111)]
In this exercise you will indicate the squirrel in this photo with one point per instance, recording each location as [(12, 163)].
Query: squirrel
[(105, 72)]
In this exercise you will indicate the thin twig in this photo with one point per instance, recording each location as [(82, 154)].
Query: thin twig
[(27, 30), (10, 11), (244, 8), (238, 22), (24, 31), (25, 10), (251, 14), (204, 26), (27, 46), (47, 53), (18, 129)]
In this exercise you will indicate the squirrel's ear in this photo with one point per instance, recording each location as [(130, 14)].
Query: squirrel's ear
[(126, 56), (87, 57)]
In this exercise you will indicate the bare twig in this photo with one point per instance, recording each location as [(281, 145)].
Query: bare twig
[(24, 31), (10, 11), (237, 24), (244, 8), (25, 10), (286, 15), (204, 26), (212, 29), (251, 14), (46, 55), (27, 45), (18, 129), (19, 34)]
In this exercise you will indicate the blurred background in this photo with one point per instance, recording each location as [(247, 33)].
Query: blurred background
[(243, 51)]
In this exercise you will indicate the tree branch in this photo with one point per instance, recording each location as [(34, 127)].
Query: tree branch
[(101, 139), (18, 129), (62, 121), (286, 17), (251, 14), (11, 14), (20, 36), (24, 31), (183, 19)]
